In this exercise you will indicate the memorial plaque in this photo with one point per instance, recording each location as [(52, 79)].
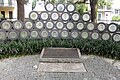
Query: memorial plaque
[(49, 25), (112, 27), (39, 25), (116, 37), (70, 7), (49, 7), (44, 34), (33, 15), (95, 35), (2, 35), (74, 34), (64, 34), (55, 34), (28, 24), (17, 24), (12, 35), (34, 34), (44, 16), (65, 16), (84, 34), (75, 16), (70, 25), (90, 26), (106, 36), (101, 27), (59, 25), (6, 25), (60, 53), (80, 26), (60, 7), (24, 34), (54, 16), (86, 17), (62, 67)]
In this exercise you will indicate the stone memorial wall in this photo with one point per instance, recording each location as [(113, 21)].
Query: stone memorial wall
[(60, 21)]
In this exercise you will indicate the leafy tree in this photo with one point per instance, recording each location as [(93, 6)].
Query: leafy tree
[(94, 6), (109, 4), (53, 1), (81, 8), (105, 3), (34, 4)]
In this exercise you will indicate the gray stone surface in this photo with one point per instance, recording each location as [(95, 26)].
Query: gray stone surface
[(61, 67), (26, 68)]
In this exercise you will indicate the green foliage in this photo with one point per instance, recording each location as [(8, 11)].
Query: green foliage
[(1, 16), (116, 18), (52, 1), (81, 8), (103, 3), (108, 49), (34, 4)]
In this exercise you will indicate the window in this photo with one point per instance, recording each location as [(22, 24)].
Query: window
[(99, 16), (116, 11), (10, 2), (1, 2), (119, 11), (3, 13), (10, 15)]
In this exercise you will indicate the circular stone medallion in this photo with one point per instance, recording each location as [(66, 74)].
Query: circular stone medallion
[(64, 34), (116, 37), (28, 25), (44, 34), (60, 25), (74, 34), (80, 26), (71, 8), (33, 15), (60, 7), (39, 24), (106, 36), (18, 25), (49, 7), (6, 25), (101, 27), (84, 34), (70, 25)]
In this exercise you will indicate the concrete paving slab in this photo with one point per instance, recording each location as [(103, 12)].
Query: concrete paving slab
[(61, 67)]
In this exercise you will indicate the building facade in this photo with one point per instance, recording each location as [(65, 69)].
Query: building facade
[(8, 9)]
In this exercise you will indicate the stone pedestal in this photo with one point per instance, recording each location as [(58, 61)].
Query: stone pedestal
[(61, 60)]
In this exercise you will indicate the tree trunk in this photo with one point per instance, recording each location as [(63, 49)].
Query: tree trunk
[(20, 10), (93, 5)]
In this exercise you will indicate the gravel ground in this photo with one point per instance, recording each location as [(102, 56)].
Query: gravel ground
[(27, 68)]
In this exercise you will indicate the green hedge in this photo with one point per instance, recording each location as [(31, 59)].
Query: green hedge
[(108, 49), (116, 18)]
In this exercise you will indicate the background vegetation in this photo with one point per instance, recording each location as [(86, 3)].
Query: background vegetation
[(116, 18), (108, 49)]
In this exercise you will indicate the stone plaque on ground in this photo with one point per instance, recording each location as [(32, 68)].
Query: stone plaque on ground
[(60, 53), (61, 67)]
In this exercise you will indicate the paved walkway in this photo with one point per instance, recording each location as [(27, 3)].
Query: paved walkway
[(26, 68)]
